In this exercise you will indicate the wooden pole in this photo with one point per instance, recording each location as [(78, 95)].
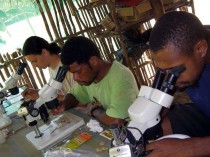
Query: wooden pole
[(44, 19), (56, 17), (157, 8), (64, 17), (51, 19)]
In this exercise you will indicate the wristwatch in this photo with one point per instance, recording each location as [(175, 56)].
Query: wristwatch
[(93, 109)]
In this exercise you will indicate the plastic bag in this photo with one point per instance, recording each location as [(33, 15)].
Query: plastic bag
[(69, 153), (70, 148)]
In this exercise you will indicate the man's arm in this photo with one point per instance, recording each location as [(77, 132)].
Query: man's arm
[(68, 102), (101, 116), (196, 147)]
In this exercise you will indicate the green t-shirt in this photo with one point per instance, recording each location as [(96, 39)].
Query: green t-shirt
[(115, 92)]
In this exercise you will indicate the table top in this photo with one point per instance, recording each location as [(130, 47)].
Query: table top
[(17, 145)]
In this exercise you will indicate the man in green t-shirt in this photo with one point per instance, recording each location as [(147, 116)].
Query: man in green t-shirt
[(110, 87)]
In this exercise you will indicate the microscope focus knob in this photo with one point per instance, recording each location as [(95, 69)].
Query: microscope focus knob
[(34, 112), (2, 95)]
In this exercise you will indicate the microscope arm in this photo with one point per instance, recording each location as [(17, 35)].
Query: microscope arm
[(12, 81), (145, 115), (145, 111), (47, 95), (11, 84)]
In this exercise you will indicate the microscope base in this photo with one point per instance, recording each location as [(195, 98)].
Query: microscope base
[(50, 138)]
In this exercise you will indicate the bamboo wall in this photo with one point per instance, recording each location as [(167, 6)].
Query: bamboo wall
[(66, 18), (9, 64)]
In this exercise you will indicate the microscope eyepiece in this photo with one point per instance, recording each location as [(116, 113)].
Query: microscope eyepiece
[(168, 85)]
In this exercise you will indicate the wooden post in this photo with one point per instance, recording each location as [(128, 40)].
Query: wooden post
[(44, 19), (157, 7), (51, 19)]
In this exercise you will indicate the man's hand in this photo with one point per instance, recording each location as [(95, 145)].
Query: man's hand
[(30, 94), (101, 116), (59, 110), (69, 101), (190, 147), (167, 147)]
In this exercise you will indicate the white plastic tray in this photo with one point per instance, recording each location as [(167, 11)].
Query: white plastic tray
[(49, 139)]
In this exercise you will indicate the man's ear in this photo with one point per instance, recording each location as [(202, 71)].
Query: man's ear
[(201, 48), (93, 61), (45, 52)]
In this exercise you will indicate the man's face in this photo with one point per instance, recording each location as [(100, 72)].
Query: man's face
[(83, 73), (168, 57), (39, 61)]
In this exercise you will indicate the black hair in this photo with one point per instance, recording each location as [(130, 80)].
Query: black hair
[(78, 49), (34, 45), (182, 29)]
